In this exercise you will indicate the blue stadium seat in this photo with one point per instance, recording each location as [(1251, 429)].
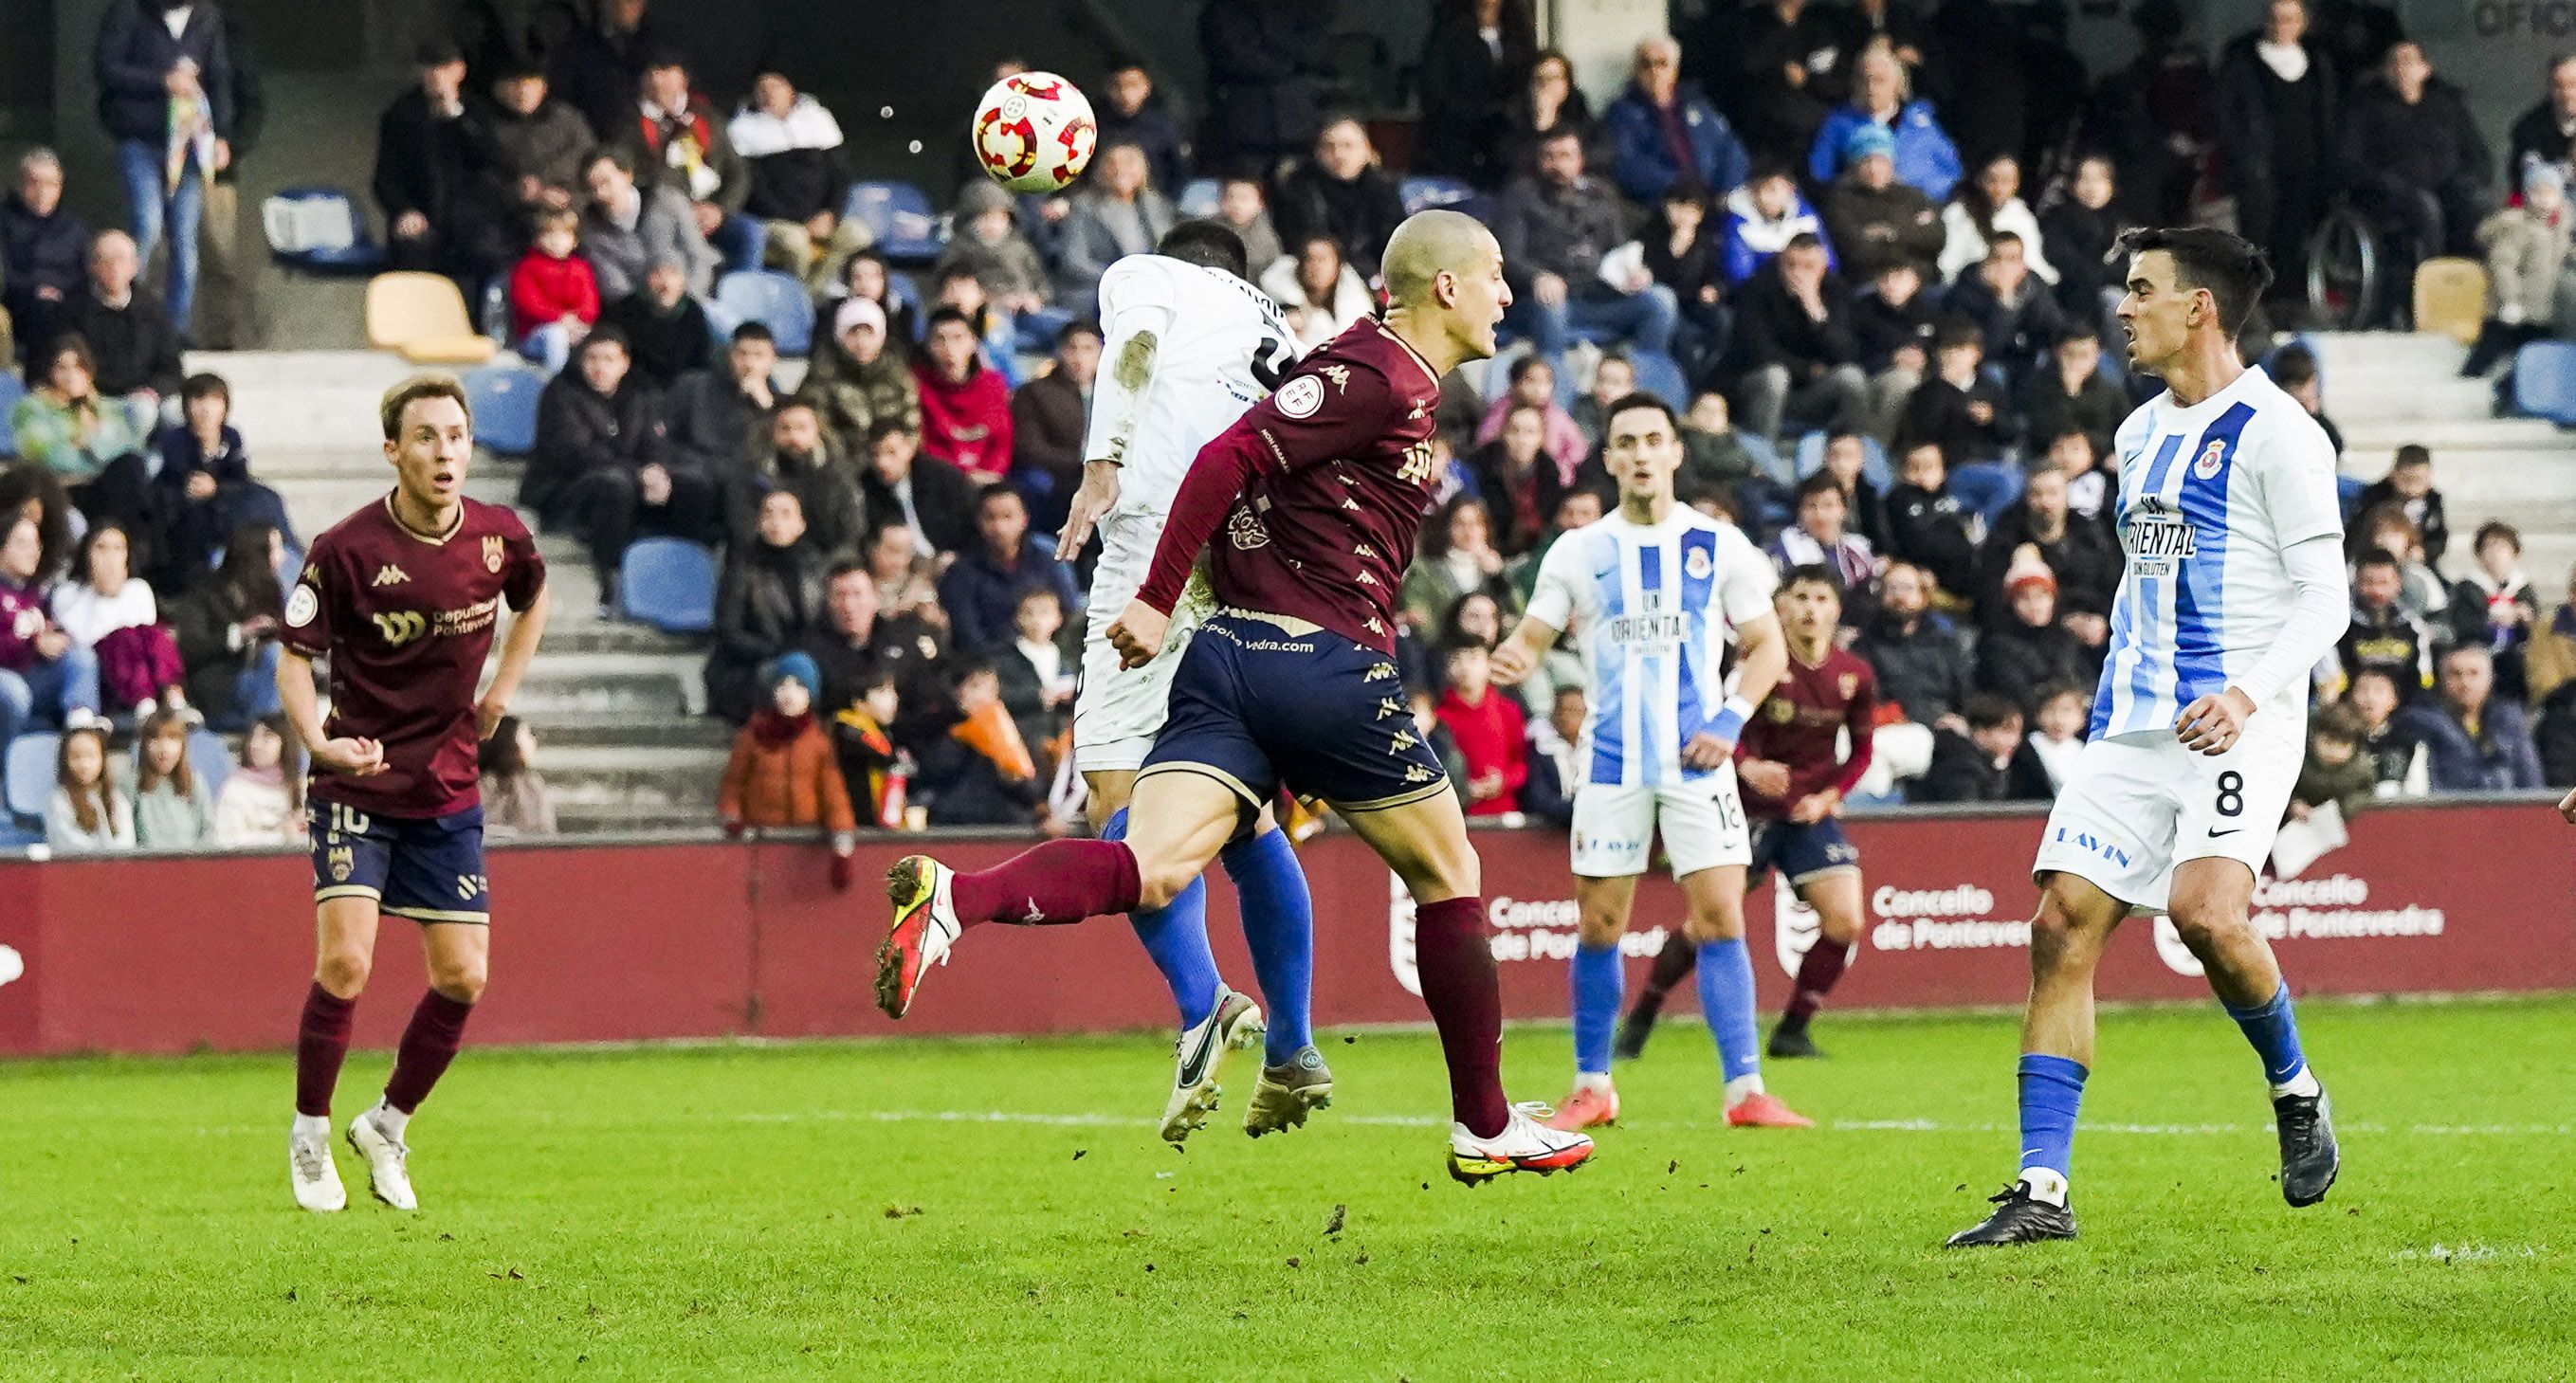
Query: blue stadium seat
[(27, 778), (899, 215), (11, 390), (669, 583), (1986, 488), (2544, 381), (1661, 375), (2348, 490), (504, 400), (1767, 456), (1425, 191), (320, 229), (1874, 468), (1200, 198), (775, 300)]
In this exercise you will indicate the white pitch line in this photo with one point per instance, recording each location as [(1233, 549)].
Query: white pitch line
[(1001, 1116)]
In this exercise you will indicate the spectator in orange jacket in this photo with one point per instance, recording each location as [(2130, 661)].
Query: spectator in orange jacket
[(783, 772), (965, 406), (554, 297)]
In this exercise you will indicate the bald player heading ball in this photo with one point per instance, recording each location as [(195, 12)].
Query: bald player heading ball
[(402, 597)]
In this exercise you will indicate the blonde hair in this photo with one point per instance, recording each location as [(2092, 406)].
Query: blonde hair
[(415, 389)]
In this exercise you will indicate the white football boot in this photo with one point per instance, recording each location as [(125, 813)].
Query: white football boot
[(1526, 1144), (1234, 1024), (385, 1156), (310, 1170)]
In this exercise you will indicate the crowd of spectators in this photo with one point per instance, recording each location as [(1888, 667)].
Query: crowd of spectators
[(1881, 238)]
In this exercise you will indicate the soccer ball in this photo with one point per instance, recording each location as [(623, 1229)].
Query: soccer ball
[(1034, 132)]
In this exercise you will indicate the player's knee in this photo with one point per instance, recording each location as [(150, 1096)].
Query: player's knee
[(461, 977), (2052, 937), (1717, 922), (1157, 887), (343, 970), (2204, 926), (1601, 929)]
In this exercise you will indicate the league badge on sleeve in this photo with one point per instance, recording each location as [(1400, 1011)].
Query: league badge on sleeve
[(302, 605), (1300, 397)]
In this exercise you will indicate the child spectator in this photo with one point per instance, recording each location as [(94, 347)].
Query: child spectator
[(2092, 487), (980, 773), (1037, 680), (1960, 409), (2396, 760), (1984, 765), (1245, 210), (2030, 649), (1895, 327), (1818, 538), (1681, 255), (112, 614), (2072, 392), (206, 490), (2421, 591), (514, 793), (2059, 731), (1926, 526), (989, 245), (2335, 770), (782, 774), (863, 738), (2409, 485), (1716, 463), (263, 800), (554, 297), (1613, 379), (965, 403), (1488, 727), (1762, 217), (87, 813), (43, 670), (2494, 607), (2526, 251), (227, 628), (1533, 385), (174, 809), (1846, 459)]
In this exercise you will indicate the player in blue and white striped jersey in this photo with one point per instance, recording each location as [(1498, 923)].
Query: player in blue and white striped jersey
[(2233, 591), (1653, 591)]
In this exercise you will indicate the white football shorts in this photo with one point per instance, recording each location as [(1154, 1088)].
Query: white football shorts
[(1702, 820), (2137, 805), (1118, 711)]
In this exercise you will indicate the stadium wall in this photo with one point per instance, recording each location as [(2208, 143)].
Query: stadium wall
[(623, 942)]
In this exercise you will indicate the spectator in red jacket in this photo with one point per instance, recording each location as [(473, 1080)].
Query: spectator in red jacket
[(554, 297), (965, 407), (1488, 727)]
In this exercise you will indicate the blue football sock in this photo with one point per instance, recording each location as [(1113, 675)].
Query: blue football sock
[(1279, 927), (2052, 1088), (1600, 988), (2274, 1031), (1175, 935), (1726, 1001)]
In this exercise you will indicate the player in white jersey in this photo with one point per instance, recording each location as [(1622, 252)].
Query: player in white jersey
[(1653, 592), (2234, 590), (1188, 344)]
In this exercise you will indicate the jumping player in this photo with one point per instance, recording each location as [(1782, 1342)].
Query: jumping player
[(1794, 778), (402, 598), (1314, 498), (2234, 590), (1653, 590), (1191, 344)]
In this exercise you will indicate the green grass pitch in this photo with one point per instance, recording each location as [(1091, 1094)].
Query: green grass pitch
[(1003, 1210)]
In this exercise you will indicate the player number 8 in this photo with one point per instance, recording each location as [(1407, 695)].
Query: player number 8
[(2231, 793)]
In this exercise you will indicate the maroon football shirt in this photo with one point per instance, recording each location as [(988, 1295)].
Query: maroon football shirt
[(406, 622), (1797, 722), (1314, 496)]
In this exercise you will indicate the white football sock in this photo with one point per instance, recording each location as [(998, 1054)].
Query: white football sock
[(393, 1121), (2045, 1185), (1598, 1081), (2302, 1084), (313, 1126), (1743, 1088)]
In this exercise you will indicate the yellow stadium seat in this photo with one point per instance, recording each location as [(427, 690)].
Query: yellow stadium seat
[(2451, 298), (423, 317)]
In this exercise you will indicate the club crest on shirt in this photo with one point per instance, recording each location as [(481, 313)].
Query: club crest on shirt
[(1849, 684), (1780, 711), (492, 547), (2207, 464), (1299, 398), (1698, 564), (1246, 530)]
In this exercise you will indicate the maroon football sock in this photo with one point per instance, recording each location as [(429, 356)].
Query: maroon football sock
[(1816, 977), (1454, 951), (321, 1044), (1060, 882), (1672, 966), (429, 1042)]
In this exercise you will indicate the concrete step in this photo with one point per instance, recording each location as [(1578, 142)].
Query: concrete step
[(634, 819), (581, 631), (2380, 397), (630, 731), (2471, 433), (668, 776), (311, 398), (2342, 351), (596, 685)]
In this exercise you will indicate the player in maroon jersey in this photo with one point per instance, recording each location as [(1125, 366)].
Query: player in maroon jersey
[(1313, 498), (402, 597), (1794, 778)]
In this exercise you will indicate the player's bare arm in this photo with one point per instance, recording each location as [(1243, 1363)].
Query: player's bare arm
[(1517, 657), (518, 647), (1763, 657), (356, 756)]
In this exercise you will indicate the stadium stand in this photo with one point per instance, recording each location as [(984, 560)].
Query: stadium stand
[(423, 317)]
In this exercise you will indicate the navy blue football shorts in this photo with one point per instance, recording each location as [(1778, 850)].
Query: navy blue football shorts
[(429, 870), (1255, 706), (1803, 853)]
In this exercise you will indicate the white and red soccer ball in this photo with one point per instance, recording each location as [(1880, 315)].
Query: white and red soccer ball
[(1034, 132)]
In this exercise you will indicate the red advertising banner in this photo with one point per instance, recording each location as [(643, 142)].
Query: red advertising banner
[(625, 942)]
